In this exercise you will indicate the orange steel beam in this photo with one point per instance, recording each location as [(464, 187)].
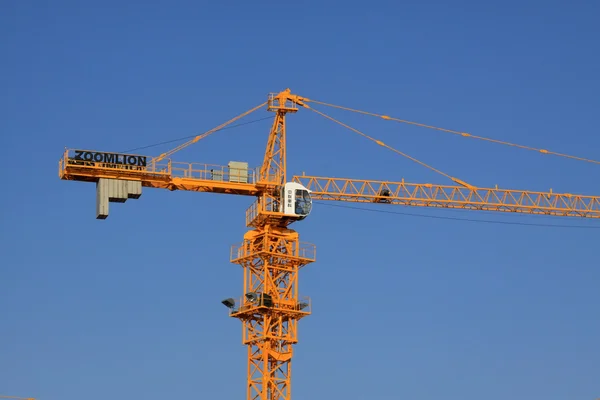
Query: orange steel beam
[(170, 175), (455, 197)]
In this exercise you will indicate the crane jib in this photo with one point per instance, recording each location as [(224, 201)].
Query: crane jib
[(110, 158)]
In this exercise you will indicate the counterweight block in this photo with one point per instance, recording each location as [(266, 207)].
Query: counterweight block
[(114, 191)]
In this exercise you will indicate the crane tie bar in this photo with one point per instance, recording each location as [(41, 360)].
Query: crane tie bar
[(379, 142), (462, 134)]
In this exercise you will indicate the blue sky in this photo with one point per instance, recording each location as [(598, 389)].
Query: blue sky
[(403, 306)]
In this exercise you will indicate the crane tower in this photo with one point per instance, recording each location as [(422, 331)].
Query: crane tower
[(271, 254)]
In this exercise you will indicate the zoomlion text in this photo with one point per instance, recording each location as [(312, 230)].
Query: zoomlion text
[(110, 158)]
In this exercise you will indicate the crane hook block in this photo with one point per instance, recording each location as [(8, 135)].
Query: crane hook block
[(114, 191)]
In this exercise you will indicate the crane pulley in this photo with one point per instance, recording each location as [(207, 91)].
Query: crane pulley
[(271, 253)]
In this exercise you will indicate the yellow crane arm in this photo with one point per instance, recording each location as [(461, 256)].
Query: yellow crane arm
[(452, 197), (236, 178), (90, 166)]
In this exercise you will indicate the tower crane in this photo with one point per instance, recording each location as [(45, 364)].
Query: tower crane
[(271, 254)]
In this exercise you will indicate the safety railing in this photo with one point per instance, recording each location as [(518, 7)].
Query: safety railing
[(260, 209), (303, 305), (303, 250), (274, 102), (213, 172)]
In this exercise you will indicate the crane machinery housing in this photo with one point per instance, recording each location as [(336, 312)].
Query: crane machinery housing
[(271, 253)]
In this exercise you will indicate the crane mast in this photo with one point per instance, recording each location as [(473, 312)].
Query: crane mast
[(271, 256)]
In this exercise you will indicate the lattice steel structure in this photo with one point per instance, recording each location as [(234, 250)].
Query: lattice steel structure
[(271, 254)]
